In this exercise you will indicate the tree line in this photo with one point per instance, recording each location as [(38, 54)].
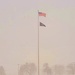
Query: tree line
[(31, 69)]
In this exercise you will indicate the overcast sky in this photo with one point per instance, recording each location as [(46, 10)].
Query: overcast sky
[(19, 32)]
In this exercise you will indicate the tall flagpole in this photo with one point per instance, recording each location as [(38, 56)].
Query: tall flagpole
[(42, 14), (38, 44)]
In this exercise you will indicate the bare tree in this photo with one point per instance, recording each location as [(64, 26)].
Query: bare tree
[(27, 69), (47, 69), (2, 71), (24, 69), (59, 69), (71, 69), (32, 68)]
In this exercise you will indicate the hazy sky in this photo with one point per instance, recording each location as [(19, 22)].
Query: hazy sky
[(18, 32)]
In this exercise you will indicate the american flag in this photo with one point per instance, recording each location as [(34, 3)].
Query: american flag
[(42, 14)]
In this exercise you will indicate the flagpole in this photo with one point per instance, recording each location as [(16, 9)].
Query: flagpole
[(18, 69), (38, 45)]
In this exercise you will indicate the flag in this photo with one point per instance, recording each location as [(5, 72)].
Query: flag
[(42, 14), (41, 24)]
